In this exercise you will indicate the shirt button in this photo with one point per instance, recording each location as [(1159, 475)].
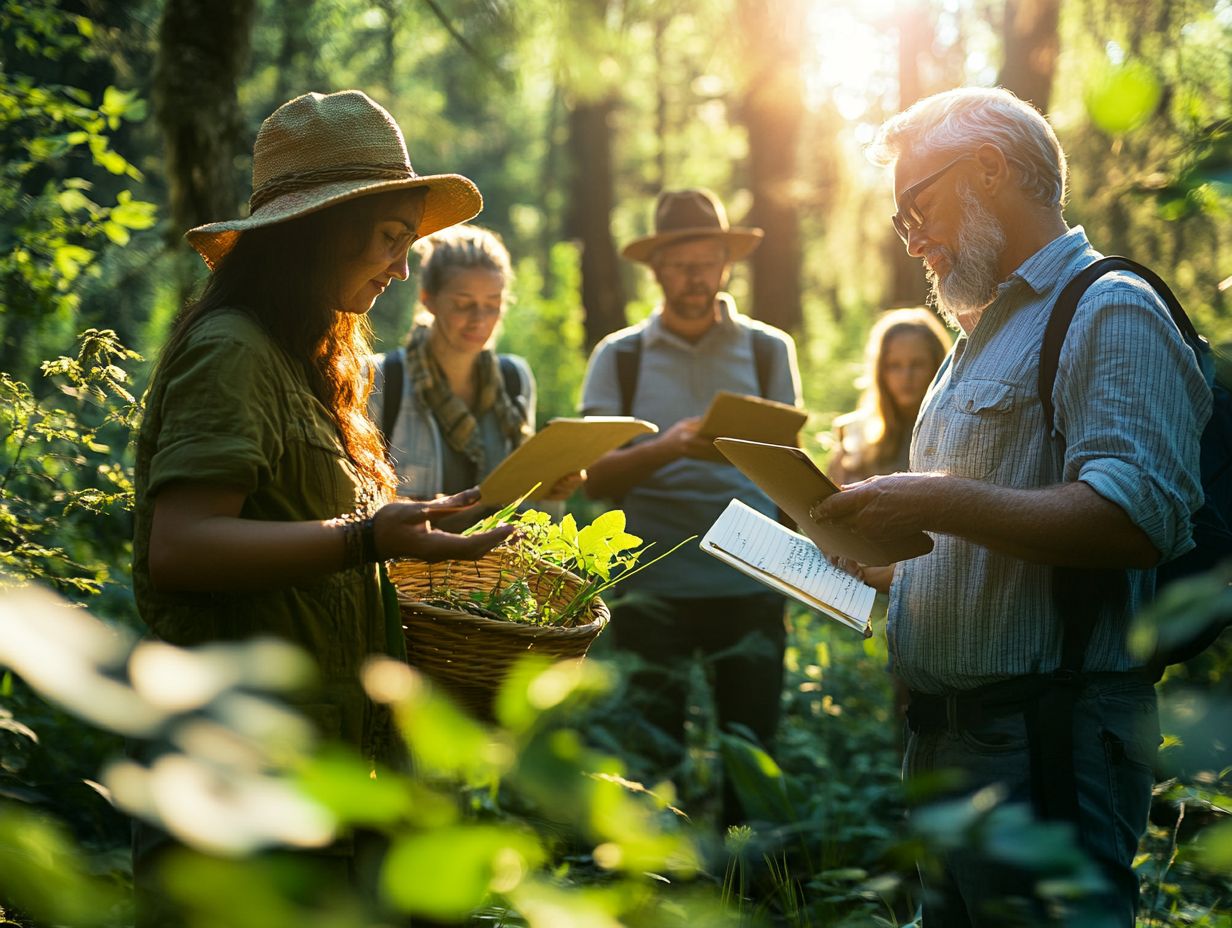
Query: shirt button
[(970, 405)]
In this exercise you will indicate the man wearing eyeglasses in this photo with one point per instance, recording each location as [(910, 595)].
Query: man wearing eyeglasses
[(667, 370), (1027, 524)]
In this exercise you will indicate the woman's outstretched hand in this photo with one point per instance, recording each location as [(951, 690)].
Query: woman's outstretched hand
[(404, 529)]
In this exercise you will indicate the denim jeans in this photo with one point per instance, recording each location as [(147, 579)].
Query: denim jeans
[(1116, 735)]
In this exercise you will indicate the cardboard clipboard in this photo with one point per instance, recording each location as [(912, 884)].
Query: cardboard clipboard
[(752, 418), (790, 478), (562, 447)]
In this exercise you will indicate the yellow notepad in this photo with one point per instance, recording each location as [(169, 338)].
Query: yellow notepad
[(562, 447), (753, 418), (795, 484)]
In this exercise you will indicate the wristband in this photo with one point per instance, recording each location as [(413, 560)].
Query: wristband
[(358, 541), (367, 537)]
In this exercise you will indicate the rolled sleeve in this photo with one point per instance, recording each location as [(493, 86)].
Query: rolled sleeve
[(217, 421), (1132, 403)]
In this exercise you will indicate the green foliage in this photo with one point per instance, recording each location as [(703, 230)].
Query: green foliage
[(62, 465), (52, 138), (215, 779), (544, 325), (601, 554), (1123, 97)]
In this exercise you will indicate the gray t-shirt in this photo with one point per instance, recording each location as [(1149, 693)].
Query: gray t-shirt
[(678, 379)]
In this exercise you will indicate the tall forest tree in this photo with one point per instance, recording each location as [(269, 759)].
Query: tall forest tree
[(915, 28), (592, 99), (202, 53), (1030, 44), (592, 197), (772, 111)]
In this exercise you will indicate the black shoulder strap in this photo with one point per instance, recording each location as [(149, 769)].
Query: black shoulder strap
[(1067, 304), (628, 366), (512, 377), (763, 359), (392, 377), (1072, 586)]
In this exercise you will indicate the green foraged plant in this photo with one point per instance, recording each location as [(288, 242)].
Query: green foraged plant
[(601, 554)]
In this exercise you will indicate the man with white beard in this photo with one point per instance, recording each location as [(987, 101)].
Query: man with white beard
[(1030, 529)]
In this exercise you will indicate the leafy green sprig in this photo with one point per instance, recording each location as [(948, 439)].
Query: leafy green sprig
[(601, 554)]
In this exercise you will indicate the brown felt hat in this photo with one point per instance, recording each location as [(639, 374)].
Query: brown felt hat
[(696, 213), (320, 150)]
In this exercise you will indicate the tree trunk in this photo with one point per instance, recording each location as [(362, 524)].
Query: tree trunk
[(202, 51), (297, 61), (908, 285), (590, 202), (1029, 38), (772, 111)]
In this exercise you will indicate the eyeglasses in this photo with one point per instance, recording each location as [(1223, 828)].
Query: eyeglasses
[(692, 268), (909, 217)]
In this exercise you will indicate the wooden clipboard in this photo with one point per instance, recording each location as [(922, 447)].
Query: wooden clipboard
[(752, 418), (562, 447), (793, 481)]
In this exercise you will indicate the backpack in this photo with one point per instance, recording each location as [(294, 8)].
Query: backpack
[(393, 367), (629, 363), (1212, 523)]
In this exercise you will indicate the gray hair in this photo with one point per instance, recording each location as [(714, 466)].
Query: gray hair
[(961, 120), (461, 247)]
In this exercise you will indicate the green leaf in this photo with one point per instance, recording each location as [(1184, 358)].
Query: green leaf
[(1123, 97), (117, 233), (610, 523), (73, 201), (70, 259), (342, 783), (449, 872), (134, 214), (757, 780)]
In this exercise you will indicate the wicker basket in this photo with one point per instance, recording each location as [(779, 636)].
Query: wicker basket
[(470, 655)]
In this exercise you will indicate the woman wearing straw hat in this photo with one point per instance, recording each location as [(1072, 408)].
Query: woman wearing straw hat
[(262, 488)]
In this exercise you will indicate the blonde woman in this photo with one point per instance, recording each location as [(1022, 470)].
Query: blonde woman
[(904, 350), (458, 409)]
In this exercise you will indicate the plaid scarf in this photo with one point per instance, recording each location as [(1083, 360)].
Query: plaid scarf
[(458, 422)]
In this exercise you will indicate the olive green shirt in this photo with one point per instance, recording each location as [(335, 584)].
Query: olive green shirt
[(231, 408)]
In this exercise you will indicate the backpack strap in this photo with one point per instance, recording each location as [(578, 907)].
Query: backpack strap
[(392, 378), (1067, 305), (515, 387), (763, 359), (628, 366)]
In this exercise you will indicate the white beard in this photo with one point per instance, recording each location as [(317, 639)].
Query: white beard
[(972, 281)]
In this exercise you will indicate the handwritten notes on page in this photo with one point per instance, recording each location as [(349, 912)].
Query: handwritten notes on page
[(788, 562)]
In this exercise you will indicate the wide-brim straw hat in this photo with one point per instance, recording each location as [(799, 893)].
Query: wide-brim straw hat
[(320, 150), (695, 213)]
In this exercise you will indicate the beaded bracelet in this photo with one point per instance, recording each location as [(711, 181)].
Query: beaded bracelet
[(358, 541)]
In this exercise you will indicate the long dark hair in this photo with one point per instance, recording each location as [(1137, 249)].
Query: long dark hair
[(287, 277)]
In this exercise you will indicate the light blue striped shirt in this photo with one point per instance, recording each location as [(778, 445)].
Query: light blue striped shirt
[(1131, 403)]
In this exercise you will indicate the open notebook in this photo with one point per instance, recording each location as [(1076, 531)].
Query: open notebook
[(789, 563)]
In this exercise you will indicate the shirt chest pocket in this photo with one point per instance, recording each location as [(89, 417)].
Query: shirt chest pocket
[(317, 463), (980, 426)]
